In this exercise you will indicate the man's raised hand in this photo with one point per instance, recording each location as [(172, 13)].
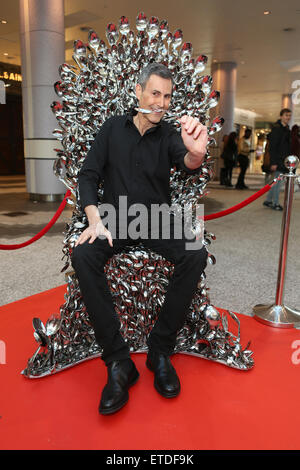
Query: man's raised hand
[(194, 135)]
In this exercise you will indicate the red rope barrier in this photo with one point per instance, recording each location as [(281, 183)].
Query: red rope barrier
[(45, 229), (232, 209), (244, 203)]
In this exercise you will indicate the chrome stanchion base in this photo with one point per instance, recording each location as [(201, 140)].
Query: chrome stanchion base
[(278, 316)]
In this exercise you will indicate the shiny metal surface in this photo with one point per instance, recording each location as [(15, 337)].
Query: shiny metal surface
[(46, 197), (278, 315), (103, 85), (147, 111), (285, 228), (291, 162)]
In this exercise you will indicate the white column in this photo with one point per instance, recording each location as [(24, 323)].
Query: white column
[(42, 51), (224, 80)]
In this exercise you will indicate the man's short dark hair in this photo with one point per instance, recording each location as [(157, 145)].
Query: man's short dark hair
[(154, 69), (285, 110)]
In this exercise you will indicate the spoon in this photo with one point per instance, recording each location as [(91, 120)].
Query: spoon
[(147, 111)]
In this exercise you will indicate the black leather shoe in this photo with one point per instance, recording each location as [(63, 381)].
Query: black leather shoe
[(121, 375), (166, 381)]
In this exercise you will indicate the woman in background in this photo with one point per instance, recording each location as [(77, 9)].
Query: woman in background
[(223, 170), (295, 141), (229, 156), (243, 158)]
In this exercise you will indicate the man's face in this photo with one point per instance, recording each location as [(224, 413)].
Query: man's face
[(285, 118), (156, 96)]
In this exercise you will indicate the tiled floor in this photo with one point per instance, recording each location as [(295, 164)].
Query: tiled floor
[(247, 247)]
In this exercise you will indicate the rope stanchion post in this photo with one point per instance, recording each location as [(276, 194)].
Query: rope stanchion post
[(278, 315)]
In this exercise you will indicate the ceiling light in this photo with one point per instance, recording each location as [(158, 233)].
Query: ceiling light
[(5, 53), (267, 12), (3, 21)]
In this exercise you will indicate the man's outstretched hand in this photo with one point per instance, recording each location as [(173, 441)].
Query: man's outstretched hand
[(194, 136)]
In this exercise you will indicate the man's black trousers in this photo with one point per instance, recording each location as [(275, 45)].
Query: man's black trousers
[(89, 259)]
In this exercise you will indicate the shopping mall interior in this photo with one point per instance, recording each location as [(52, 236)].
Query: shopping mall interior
[(250, 55), (261, 42)]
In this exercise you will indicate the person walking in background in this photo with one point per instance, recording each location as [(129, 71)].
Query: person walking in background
[(279, 148), (223, 170), (266, 160), (243, 158), (229, 156), (295, 141)]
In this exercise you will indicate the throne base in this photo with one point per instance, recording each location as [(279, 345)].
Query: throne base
[(203, 354)]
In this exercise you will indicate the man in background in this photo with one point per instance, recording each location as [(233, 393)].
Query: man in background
[(279, 148)]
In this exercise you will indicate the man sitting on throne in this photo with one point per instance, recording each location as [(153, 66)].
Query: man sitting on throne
[(133, 154)]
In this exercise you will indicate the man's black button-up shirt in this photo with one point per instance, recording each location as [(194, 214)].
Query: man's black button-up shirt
[(133, 165)]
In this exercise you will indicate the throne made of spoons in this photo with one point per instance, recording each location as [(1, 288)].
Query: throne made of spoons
[(100, 85)]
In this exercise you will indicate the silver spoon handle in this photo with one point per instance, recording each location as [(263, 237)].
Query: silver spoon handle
[(144, 111)]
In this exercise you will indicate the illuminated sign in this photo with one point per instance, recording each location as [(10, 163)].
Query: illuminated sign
[(16, 77)]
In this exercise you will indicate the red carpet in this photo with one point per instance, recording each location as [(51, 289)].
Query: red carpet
[(218, 408)]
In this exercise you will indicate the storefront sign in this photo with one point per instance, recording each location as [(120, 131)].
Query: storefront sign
[(16, 77), (10, 74)]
